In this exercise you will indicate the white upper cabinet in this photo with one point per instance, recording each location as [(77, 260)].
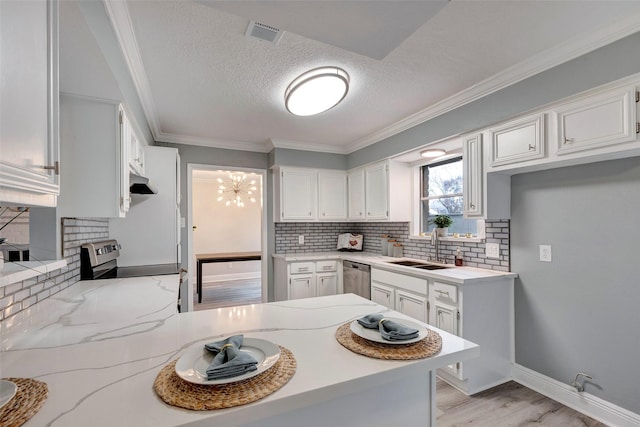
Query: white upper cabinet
[(356, 195), (29, 109), (93, 149), (296, 194), (472, 175), (519, 140), (388, 191), (332, 195), (377, 191), (597, 121), (136, 151)]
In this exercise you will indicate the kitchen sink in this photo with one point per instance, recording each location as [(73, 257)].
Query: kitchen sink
[(407, 263), (431, 267), (418, 264)]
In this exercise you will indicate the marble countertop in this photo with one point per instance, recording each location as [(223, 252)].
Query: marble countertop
[(100, 344), (13, 272), (458, 275)]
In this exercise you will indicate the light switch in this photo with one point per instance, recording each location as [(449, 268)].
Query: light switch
[(492, 250), (301, 239), (545, 253)]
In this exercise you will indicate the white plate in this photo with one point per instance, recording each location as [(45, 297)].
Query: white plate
[(7, 391), (374, 334), (192, 365)]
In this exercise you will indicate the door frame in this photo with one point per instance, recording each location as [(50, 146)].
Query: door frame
[(263, 226)]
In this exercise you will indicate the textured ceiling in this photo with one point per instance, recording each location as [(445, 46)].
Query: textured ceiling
[(208, 84)]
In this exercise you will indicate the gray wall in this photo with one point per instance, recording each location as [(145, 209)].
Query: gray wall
[(580, 312), (91, 62), (230, 158), (609, 63)]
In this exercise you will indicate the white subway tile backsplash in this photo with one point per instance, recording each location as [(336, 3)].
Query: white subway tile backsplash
[(322, 237)]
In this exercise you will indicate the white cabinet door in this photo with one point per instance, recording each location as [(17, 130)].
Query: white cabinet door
[(298, 194), (377, 191), (302, 286), (444, 316), (95, 178), (332, 195), (517, 141), (29, 108), (412, 305), (597, 121), (383, 295), (327, 284), (472, 176), (356, 195)]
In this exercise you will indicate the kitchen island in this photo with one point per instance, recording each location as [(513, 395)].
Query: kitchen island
[(99, 346)]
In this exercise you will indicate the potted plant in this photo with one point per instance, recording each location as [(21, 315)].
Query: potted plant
[(442, 223)]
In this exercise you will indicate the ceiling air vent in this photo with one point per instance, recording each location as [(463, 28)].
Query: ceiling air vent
[(264, 32)]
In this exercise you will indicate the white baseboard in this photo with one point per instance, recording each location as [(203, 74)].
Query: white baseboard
[(585, 403), (232, 276)]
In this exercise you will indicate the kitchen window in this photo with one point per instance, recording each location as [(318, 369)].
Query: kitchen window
[(441, 194)]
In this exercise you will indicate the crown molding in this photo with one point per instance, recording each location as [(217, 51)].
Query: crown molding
[(543, 61), (213, 143), (118, 14)]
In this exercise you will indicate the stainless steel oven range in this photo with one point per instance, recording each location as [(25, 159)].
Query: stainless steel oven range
[(98, 260)]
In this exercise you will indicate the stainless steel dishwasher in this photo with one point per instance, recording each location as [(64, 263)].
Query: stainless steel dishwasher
[(356, 278)]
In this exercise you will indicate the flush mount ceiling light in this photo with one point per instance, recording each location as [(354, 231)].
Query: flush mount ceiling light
[(433, 153), (236, 188), (316, 91)]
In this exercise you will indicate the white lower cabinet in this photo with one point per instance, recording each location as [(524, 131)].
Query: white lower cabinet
[(400, 292), (302, 286), (305, 279), (412, 305), (383, 295), (481, 312), (326, 284)]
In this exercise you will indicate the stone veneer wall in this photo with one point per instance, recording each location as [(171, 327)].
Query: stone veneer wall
[(323, 237), (19, 296)]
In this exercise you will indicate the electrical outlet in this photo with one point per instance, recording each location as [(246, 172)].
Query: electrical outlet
[(229, 265), (492, 250), (545, 253), (301, 239)]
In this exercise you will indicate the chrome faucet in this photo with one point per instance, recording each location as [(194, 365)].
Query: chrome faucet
[(435, 243)]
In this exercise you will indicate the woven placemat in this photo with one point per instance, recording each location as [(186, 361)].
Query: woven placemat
[(422, 349), (177, 392), (29, 398)]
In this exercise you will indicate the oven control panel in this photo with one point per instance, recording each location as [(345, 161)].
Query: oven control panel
[(101, 252)]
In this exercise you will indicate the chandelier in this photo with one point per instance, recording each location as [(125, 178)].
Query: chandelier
[(236, 189)]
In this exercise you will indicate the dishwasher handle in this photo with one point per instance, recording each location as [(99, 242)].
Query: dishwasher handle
[(356, 266)]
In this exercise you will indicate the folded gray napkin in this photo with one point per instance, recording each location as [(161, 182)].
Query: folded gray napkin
[(389, 330), (229, 361)]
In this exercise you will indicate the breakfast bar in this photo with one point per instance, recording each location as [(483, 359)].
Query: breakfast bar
[(100, 346)]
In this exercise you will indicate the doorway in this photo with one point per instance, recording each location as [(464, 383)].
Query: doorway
[(226, 217)]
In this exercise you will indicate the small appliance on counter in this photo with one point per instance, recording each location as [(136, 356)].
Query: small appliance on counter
[(350, 242)]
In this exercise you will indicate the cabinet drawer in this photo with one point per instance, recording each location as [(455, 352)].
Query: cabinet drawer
[(400, 281), (329, 265), (301, 267), (444, 292)]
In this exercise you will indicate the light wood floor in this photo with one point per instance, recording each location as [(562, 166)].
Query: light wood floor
[(509, 404), (228, 294)]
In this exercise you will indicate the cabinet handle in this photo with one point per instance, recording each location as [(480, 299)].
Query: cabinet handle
[(55, 168), (323, 214), (442, 292), (532, 147), (303, 268), (368, 213), (309, 213), (472, 206), (567, 140)]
